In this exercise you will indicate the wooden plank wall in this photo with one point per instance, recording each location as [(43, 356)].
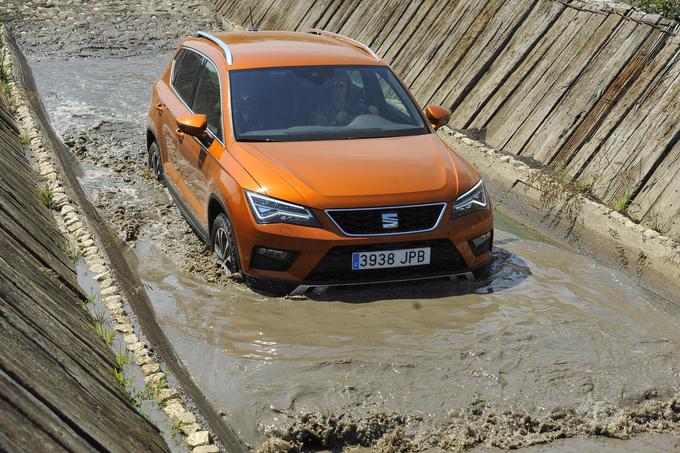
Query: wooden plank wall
[(592, 91), (57, 388)]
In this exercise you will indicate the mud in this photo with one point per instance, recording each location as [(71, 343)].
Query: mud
[(554, 346)]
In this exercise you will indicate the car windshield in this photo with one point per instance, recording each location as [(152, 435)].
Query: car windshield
[(321, 103)]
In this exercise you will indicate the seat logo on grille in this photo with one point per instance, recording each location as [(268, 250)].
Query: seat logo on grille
[(390, 220)]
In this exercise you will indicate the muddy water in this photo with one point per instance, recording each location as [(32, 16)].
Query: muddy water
[(554, 336)]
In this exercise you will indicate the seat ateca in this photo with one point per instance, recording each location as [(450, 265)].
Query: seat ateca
[(303, 161)]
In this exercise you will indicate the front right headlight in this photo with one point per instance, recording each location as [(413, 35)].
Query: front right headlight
[(472, 200), (271, 210)]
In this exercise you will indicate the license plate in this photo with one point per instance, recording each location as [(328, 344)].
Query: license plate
[(390, 258)]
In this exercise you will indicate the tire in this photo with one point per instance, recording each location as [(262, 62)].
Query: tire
[(224, 245), (155, 162)]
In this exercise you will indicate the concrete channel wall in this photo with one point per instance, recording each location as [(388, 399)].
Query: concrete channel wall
[(57, 387), (593, 91)]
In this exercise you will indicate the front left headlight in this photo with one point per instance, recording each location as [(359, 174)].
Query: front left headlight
[(472, 200), (270, 210)]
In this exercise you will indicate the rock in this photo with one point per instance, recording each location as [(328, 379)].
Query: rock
[(210, 448), (154, 378), (150, 368), (198, 438), (132, 338), (124, 328), (166, 394), (110, 291), (190, 428), (186, 418), (173, 407), (134, 347)]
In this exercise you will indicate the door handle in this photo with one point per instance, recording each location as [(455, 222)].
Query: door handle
[(179, 134), (160, 108)]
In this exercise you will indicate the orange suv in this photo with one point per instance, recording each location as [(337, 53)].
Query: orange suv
[(304, 162)]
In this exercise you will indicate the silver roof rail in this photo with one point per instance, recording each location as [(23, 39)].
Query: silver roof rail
[(339, 37), (219, 42)]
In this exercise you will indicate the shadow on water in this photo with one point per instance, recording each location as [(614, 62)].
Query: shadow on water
[(507, 271)]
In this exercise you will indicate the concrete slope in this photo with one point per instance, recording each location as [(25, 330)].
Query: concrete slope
[(57, 387), (590, 90)]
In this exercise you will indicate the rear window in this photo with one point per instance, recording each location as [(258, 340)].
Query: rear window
[(187, 68)]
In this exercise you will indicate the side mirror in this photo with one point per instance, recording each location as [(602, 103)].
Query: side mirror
[(193, 125), (437, 115)]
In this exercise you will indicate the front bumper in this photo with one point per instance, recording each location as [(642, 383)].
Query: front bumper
[(323, 255)]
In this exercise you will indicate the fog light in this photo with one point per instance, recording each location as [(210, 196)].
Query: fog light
[(481, 244), (272, 259)]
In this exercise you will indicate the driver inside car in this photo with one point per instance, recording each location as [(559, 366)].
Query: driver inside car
[(341, 104)]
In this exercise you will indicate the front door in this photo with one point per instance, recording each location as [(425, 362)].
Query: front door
[(196, 154)]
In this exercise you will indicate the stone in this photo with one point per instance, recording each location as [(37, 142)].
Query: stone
[(154, 378), (186, 418), (118, 312), (210, 448), (166, 394), (98, 268), (102, 275), (110, 291), (106, 283), (124, 328), (173, 407), (198, 438), (190, 429), (74, 226), (150, 368), (134, 347), (112, 300), (132, 338), (91, 251), (87, 243)]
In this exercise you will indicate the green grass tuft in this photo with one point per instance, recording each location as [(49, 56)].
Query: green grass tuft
[(621, 204), (667, 8), (46, 196)]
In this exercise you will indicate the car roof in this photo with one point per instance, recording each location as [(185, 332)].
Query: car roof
[(261, 49)]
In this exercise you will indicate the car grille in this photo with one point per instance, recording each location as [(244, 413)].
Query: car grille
[(336, 267), (381, 221)]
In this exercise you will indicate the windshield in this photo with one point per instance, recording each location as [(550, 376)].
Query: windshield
[(321, 103)]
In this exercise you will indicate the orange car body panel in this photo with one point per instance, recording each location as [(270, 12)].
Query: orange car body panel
[(317, 174)]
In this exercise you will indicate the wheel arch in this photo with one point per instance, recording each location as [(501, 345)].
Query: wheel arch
[(215, 208)]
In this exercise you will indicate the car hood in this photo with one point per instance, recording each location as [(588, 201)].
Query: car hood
[(360, 172)]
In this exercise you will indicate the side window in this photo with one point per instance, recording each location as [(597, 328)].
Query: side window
[(187, 68), (207, 100), (390, 95)]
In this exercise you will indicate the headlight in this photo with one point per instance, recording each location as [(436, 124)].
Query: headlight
[(270, 210), (473, 200)]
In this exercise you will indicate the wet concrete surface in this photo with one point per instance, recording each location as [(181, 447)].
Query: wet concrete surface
[(554, 345)]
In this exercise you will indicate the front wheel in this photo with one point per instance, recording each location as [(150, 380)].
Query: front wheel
[(155, 162), (224, 245)]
